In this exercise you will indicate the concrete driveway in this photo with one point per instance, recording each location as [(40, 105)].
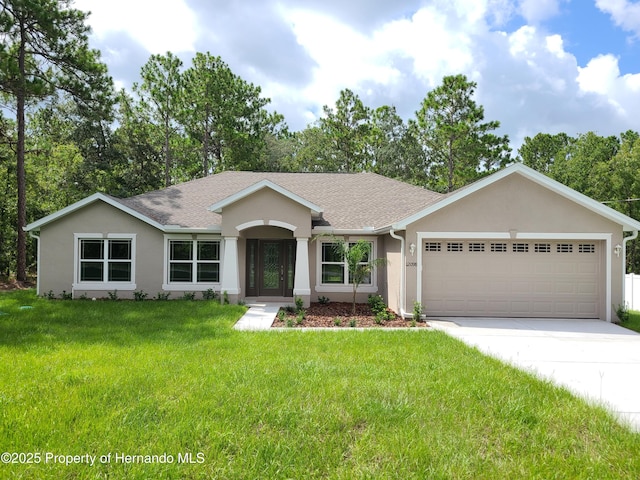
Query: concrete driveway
[(597, 360)]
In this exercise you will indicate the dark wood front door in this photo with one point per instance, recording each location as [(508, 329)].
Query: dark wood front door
[(270, 267)]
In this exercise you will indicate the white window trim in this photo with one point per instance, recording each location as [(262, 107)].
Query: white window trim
[(189, 286), (346, 287), (126, 286)]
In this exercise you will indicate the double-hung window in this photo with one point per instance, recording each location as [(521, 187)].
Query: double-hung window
[(194, 261), (334, 270), (105, 262)]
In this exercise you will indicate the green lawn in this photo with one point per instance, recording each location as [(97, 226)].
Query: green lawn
[(634, 321), (168, 378)]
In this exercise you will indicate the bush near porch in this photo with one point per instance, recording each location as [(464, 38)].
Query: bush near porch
[(127, 378)]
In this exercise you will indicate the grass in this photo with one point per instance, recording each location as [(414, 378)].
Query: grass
[(153, 378), (634, 321)]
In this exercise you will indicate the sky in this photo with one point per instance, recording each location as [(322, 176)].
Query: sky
[(546, 66)]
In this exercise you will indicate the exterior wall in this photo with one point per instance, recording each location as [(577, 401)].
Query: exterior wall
[(266, 206), (57, 249), (515, 205)]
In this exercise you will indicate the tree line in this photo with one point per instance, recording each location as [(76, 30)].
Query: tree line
[(70, 133)]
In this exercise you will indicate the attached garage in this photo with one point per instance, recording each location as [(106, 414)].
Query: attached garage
[(513, 278)]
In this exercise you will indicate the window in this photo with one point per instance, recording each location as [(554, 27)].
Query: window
[(454, 247), (587, 248), (520, 247), (564, 248), (476, 247), (334, 269), (194, 261), (105, 260), (499, 247), (432, 247), (542, 248)]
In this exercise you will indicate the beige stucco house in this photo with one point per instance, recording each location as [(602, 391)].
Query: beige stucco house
[(514, 244)]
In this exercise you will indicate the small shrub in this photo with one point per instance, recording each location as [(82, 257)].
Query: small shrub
[(376, 303), (49, 295), (417, 311), (623, 313), (163, 296), (337, 321), (289, 323), (113, 295), (84, 296), (225, 298), (139, 295), (352, 322), (323, 300), (300, 317), (189, 296), (242, 302), (413, 322), (381, 317), (66, 296), (299, 304), (209, 294), (281, 315)]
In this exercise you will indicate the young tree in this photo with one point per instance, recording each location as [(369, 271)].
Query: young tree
[(359, 261), (45, 48), (540, 152), (458, 146)]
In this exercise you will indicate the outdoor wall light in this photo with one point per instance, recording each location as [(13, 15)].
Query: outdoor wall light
[(412, 249), (617, 249)]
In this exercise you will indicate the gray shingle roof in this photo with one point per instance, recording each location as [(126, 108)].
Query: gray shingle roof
[(349, 201)]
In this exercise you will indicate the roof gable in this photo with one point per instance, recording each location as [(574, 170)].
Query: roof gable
[(217, 207), (628, 223), (96, 197)]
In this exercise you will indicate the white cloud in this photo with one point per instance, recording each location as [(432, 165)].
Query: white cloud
[(535, 11), (599, 75), (158, 25), (625, 14)]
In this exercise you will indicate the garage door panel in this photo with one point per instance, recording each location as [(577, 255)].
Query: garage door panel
[(535, 279)]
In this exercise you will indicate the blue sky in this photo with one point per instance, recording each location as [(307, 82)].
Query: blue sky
[(540, 65)]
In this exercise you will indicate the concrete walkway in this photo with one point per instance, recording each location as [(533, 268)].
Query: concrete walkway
[(260, 316), (597, 360)]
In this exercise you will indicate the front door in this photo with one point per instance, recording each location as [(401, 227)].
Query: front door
[(270, 267)]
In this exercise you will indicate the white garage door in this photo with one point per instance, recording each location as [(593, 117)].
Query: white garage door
[(512, 278)]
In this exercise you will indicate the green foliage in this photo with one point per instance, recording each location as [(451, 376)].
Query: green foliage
[(337, 321), (209, 294), (376, 303), (113, 295), (417, 311), (163, 296), (139, 295), (300, 316), (622, 312), (66, 296), (299, 304), (189, 296), (459, 148), (353, 322), (322, 300), (225, 298)]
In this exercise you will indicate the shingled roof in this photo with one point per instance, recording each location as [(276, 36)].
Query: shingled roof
[(349, 200)]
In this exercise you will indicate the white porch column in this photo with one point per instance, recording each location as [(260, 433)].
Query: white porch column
[(301, 285), (230, 274)]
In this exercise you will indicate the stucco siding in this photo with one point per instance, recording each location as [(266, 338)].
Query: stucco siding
[(516, 208), (57, 249)]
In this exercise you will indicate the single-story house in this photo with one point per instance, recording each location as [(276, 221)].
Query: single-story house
[(514, 244)]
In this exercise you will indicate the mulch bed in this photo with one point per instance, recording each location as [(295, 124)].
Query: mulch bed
[(339, 315)]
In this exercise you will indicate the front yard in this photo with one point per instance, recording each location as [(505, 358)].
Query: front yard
[(168, 390)]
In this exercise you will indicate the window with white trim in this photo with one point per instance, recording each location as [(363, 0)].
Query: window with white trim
[(105, 260), (334, 268), (194, 261)]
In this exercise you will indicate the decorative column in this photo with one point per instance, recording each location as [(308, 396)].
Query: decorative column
[(301, 285), (230, 272)]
